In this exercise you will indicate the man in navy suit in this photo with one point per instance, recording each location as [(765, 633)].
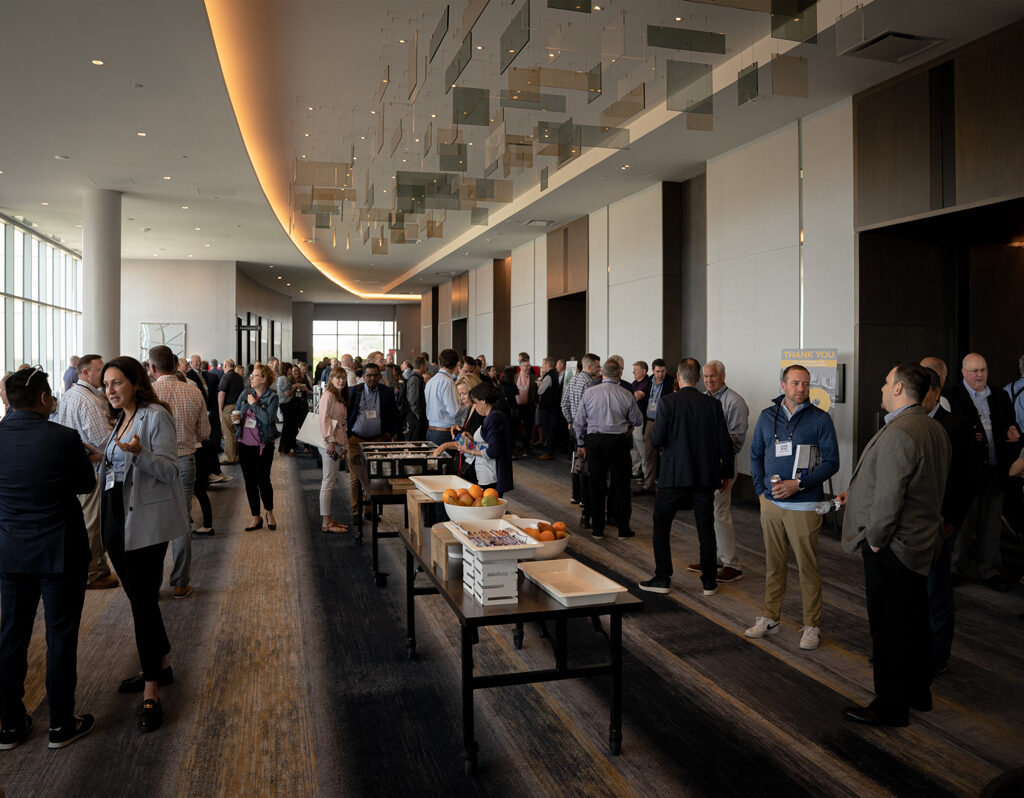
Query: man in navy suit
[(372, 416), (44, 551), (696, 460)]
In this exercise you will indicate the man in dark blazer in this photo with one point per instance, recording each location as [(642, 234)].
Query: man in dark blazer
[(372, 416), (997, 443), (44, 551), (696, 460), (893, 517)]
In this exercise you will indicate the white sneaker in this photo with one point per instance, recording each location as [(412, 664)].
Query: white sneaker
[(810, 639), (763, 627)]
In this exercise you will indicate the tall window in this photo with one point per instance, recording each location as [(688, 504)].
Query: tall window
[(40, 302), (336, 338)]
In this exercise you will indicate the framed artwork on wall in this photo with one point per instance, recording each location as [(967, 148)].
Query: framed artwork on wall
[(153, 334)]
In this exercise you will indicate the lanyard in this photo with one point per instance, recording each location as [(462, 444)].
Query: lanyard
[(117, 438), (775, 427)]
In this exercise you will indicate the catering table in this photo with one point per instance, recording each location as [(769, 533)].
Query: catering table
[(534, 605), (377, 493)]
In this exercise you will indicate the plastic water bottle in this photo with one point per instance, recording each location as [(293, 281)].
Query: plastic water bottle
[(826, 507)]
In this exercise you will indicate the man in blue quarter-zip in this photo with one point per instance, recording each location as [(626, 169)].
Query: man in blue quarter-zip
[(795, 441)]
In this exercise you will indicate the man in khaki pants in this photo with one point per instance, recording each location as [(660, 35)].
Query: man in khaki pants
[(796, 442), (231, 386)]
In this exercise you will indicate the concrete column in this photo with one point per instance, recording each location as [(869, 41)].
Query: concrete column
[(101, 273)]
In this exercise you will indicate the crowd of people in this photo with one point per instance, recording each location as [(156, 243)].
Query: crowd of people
[(96, 484)]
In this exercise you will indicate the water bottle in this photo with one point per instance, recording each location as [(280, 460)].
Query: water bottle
[(826, 507)]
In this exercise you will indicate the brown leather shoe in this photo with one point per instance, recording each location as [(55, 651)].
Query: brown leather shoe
[(183, 591), (729, 574), (103, 583), (694, 566), (546, 457)]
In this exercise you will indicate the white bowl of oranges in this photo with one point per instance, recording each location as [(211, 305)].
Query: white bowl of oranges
[(473, 504), (555, 537)]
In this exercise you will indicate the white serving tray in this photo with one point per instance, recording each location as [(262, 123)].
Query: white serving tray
[(571, 583), (524, 550), (435, 486)]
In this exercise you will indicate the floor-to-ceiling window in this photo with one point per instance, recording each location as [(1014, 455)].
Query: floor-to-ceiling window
[(40, 302), (336, 338)]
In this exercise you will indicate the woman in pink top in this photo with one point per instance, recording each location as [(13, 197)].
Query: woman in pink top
[(333, 412)]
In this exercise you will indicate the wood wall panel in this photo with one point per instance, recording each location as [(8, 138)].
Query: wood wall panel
[(892, 151), (989, 91), (502, 341), (556, 262), (577, 268)]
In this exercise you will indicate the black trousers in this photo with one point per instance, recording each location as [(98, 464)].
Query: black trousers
[(667, 501), (609, 454), (416, 428), (546, 419), (901, 634), (940, 601), (256, 473), (206, 460), (141, 572), (63, 595), (293, 413)]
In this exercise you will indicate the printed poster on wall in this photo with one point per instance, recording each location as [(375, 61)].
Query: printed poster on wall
[(823, 364)]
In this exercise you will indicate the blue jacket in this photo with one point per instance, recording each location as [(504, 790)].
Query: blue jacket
[(810, 426), (43, 468), (265, 411)]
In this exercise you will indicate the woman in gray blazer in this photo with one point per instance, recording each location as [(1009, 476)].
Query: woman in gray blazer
[(143, 507)]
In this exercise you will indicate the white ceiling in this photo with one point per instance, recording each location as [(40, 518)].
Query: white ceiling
[(161, 76)]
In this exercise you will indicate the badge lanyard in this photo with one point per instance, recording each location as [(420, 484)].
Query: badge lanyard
[(784, 448), (108, 463)]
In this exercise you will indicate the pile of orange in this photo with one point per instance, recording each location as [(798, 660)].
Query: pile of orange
[(473, 496), (545, 531)]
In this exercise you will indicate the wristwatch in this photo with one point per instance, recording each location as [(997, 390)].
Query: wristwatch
[(799, 484)]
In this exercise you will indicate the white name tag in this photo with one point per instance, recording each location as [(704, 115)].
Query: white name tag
[(652, 406), (370, 414), (109, 482), (783, 448), (250, 423)]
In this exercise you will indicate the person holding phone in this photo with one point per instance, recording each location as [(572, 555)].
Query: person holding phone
[(255, 423)]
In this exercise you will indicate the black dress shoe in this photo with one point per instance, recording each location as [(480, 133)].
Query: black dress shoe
[(923, 703), (868, 717), (584, 522), (136, 684), (256, 526), (208, 533), (627, 533), (151, 715)]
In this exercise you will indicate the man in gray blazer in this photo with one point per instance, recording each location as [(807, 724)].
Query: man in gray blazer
[(893, 516)]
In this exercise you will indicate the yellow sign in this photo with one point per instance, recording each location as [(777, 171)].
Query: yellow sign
[(823, 365)]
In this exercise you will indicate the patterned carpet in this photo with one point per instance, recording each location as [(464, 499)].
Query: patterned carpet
[(292, 679)]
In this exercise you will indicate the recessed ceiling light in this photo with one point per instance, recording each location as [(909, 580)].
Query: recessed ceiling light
[(303, 156), (206, 245), (184, 207), (479, 47), (167, 177), (301, 291), (597, 8), (309, 107), (373, 112), (433, 116), (190, 255), (551, 55), (1, 171), (97, 62), (417, 140), (624, 167), (679, 19), (288, 284), (401, 41), (279, 277), (306, 135), (140, 133), (269, 266), (62, 157), (196, 229), (44, 203)]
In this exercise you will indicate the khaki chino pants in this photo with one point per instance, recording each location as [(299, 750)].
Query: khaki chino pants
[(796, 529), (98, 567), (228, 427)]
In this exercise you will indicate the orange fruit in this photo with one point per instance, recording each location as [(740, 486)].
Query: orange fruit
[(475, 491), (463, 492), (559, 526), (547, 534), (449, 495), (466, 500), (491, 492), (532, 531), (478, 502), (561, 534), (544, 526)]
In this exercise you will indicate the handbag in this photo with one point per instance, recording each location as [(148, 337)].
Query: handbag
[(309, 432)]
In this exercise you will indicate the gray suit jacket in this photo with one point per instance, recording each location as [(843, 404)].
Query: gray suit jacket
[(154, 501), (895, 496)]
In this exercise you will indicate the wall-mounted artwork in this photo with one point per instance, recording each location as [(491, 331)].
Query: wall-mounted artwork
[(153, 334)]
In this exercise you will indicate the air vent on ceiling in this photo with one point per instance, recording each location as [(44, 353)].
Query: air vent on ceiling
[(538, 223), (888, 46)]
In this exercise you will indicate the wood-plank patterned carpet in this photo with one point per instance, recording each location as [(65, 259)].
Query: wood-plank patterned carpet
[(291, 679)]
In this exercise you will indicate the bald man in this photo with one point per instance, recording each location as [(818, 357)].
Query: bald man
[(996, 446), (938, 365)]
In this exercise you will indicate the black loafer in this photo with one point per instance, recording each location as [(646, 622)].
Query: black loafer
[(136, 684), (151, 715)]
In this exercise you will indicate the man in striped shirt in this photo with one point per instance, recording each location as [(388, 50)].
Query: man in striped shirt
[(192, 425), (588, 375), (83, 408)]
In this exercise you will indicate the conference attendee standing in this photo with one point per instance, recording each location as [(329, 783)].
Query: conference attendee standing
[(255, 426), (71, 373), (661, 385), (44, 552), (893, 517), (792, 452), (526, 400), (549, 396), (85, 410), (191, 426), (442, 403), (372, 416), (587, 377), (996, 447), (291, 399), (603, 426), (491, 452), (143, 508), (737, 418), (231, 385), (416, 416), (696, 461), (332, 413)]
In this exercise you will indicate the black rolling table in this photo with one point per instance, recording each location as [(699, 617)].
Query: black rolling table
[(534, 605), (377, 493)]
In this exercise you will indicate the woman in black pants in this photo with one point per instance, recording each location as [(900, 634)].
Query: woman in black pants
[(256, 429), (291, 398)]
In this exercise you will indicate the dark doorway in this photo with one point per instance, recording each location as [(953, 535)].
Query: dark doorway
[(460, 335), (567, 326), (946, 285)]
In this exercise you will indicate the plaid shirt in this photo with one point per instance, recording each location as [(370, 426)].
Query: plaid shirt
[(83, 409), (573, 394), (189, 410)]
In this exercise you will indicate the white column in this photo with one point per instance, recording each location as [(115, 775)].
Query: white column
[(101, 273)]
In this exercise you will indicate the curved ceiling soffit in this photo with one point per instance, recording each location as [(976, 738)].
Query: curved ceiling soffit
[(243, 39)]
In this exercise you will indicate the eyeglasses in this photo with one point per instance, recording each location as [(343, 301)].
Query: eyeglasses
[(976, 371), (35, 370)]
